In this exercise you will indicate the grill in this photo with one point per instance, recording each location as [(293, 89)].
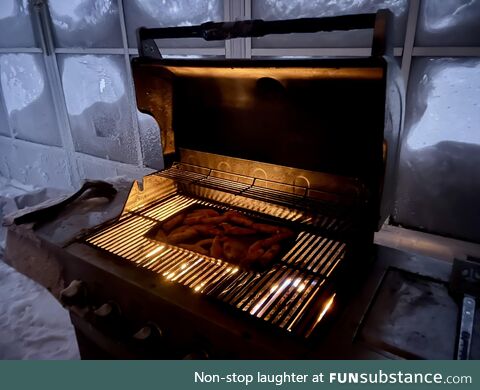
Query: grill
[(304, 145), (280, 296)]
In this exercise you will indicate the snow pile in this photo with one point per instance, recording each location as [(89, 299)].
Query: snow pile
[(33, 325)]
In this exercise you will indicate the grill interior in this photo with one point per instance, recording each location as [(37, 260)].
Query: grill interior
[(291, 295)]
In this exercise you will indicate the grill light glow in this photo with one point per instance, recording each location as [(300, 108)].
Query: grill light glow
[(325, 308), (275, 289), (154, 252), (185, 269), (199, 287), (312, 290)]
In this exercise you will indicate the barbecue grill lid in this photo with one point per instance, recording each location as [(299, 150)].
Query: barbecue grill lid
[(319, 115)]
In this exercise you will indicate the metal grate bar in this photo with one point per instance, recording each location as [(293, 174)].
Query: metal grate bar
[(111, 233), (188, 270), (238, 288), (224, 275), (252, 297), (162, 212), (291, 299), (165, 262), (264, 189), (152, 257), (206, 275), (279, 296), (276, 291), (183, 264), (223, 290), (257, 301), (328, 253), (301, 306), (212, 278), (281, 301)]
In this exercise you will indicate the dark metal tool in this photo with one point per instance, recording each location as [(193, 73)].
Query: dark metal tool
[(465, 287), (89, 189)]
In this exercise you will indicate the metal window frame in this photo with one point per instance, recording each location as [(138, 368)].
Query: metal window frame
[(239, 48)]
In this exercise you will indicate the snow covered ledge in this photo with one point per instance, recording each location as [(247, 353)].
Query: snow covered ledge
[(33, 324)]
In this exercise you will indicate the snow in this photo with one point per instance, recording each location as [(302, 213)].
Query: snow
[(27, 100), (7, 9), (86, 23), (98, 106), (22, 81), (95, 70), (33, 325), (445, 102)]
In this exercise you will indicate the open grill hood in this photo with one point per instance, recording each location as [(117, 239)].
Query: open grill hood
[(333, 117)]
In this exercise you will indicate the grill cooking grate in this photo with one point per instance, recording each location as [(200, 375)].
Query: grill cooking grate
[(287, 194), (280, 296)]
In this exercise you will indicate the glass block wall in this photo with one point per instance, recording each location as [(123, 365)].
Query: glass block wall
[(68, 112)]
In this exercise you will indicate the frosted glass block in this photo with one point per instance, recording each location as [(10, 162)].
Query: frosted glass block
[(150, 138), (86, 23), (28, 98), (4, 127), (448, 23), (15, 24), (34, 164), (94, 170), (439, 178), (291, 9), (96, 94), (166, 13)]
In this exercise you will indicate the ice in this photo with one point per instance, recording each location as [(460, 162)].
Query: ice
[(21, 79), (86, 23), (99, 106), (448, 22), (438, 189), (28, 99), (92, 86), (33, 325), (288, 9), (34, 164), (15, 18), (439, 175), (164, 13), (150, 138), (7, 9), (4, 126), (444, 102), (275, 9)]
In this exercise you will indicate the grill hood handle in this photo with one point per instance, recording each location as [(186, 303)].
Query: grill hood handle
[(211, 31)]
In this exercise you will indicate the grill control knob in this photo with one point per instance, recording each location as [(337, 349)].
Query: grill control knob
[(108, 311), (196, 355), (75, 294), (149, 333)]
